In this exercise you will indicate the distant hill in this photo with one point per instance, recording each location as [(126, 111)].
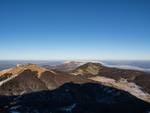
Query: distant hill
[(88, 69), (65, 67)]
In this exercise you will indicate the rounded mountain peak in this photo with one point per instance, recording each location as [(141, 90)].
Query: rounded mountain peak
[(88, 68)]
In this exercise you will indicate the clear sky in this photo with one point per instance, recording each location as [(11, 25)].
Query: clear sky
[(75, 29)]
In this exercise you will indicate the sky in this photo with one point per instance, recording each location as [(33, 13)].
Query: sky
[(75, 29)]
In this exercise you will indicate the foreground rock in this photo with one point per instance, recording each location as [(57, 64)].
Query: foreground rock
[(75, 98)]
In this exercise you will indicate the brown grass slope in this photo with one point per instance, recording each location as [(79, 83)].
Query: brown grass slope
[(25, 82), (142, 79), (31, 78)]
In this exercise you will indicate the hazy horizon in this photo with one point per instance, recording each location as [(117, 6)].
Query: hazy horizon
[(74, 59), (142, 65)]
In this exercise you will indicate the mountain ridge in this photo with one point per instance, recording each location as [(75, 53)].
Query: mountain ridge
[(25, 79)]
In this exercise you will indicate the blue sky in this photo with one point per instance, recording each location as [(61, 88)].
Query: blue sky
[(75, 29)]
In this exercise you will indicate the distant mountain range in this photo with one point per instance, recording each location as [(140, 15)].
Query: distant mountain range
[(141, 65), (65, 67), (73, 87)]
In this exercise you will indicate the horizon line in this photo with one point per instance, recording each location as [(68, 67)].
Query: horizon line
[(74, 59)]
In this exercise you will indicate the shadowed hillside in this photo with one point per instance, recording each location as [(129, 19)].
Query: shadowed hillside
[(75, 98)]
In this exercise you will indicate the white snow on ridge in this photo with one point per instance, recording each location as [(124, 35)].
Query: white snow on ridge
[(6, 80), (130, 87), (5, 71)]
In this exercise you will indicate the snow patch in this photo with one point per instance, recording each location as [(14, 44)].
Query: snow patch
[(6, 80), (68, 108), (130, 87), (15, 107)]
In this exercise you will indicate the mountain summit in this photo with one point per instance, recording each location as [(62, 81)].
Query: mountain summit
[(88, 68)]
